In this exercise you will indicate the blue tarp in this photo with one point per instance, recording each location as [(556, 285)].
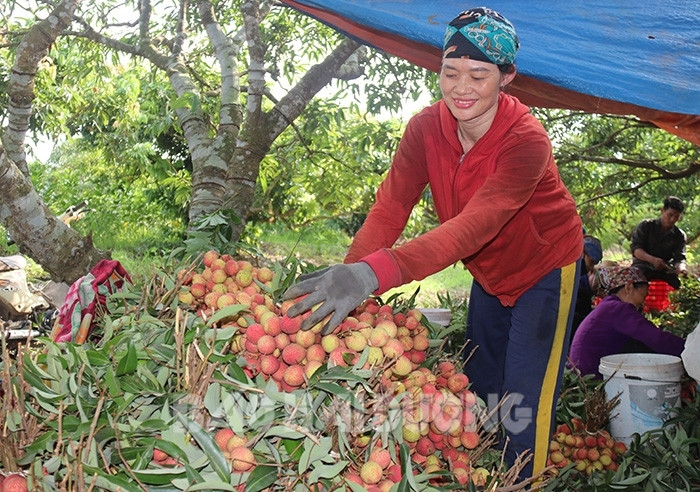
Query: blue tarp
[(620, 57)]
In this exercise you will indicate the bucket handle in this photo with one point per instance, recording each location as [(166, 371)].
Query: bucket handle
[(638, 378)]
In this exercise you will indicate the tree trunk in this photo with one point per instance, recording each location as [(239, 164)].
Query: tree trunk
[(261, 130), (60, 250)]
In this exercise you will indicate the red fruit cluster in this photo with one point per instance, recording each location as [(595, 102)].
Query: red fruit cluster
[(162, 458), (439, 419), (235, 449), (276, 347), (588, 451), (222, 282), (379, 473), (14, 482)]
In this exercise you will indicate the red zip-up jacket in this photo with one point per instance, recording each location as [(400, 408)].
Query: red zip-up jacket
[(503, 208)]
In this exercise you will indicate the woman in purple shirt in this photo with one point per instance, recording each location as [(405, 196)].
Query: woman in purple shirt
[(618, 323)]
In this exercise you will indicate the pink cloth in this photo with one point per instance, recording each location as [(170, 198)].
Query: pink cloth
[(86, 300)]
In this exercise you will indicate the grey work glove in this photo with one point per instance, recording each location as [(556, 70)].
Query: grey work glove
[(341, 288)]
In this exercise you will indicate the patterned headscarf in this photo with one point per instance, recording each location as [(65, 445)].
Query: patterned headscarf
[(617, 276), (481, 34)]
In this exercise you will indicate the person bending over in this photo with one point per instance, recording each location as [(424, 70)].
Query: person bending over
[(617, 325), (504, 211)]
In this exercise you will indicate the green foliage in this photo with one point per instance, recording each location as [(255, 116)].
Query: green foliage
[(155, 377), (212, 232), (333, 172), (619, 170), (685, 313), (129, 210)]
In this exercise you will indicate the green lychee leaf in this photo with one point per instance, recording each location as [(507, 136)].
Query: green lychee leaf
[(127, 364), (262, 477), (104, 480), (340, 392), (227, 312), (294, 447), (314, 451), (159, 476), (208, 445), (326, 471)]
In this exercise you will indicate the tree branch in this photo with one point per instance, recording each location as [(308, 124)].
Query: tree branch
[(33, 48), (143, 50), (663, 175), (230, 114), (318, 76), (256, 63)]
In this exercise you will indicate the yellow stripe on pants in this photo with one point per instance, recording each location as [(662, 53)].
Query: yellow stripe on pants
[(549, 385)]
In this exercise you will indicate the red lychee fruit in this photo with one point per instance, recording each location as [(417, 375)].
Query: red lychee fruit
[(15, 483), (269, 364), (290, 325), (316, 353), (305, 338), (242, 458), (265, 274), (311, 367), (266, 345), (457, 382), (393, 348), (221, 437), (470, 439), (393, 472), (294, 375), (244, 278), (209, 257), (425, 446), (231, 268), (381, 456), (371, 472), (198, 290), (417, 357), (225, 300), (402, 366), (293, 354), (420, 342), (254, 332), (272, 324)]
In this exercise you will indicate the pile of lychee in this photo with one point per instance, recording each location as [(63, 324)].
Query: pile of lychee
[(588, 451), (14, 482), (274, 345), (439, 412), (440, 424), (224, 281)]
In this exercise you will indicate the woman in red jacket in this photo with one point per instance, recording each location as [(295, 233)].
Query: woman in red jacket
[(504, 212)]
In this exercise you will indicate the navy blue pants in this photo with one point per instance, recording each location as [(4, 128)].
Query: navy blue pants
[(520, 353)]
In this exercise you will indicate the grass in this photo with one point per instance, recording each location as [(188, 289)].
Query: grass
[(326, 246), (318, 244)]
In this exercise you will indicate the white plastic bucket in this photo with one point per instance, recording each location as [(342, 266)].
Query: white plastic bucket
[(649, 385), (438, 316)]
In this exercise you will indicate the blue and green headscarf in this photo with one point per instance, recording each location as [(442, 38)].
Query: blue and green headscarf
[(481, 34)]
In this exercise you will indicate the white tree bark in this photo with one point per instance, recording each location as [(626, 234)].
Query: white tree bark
[(39, 234)]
